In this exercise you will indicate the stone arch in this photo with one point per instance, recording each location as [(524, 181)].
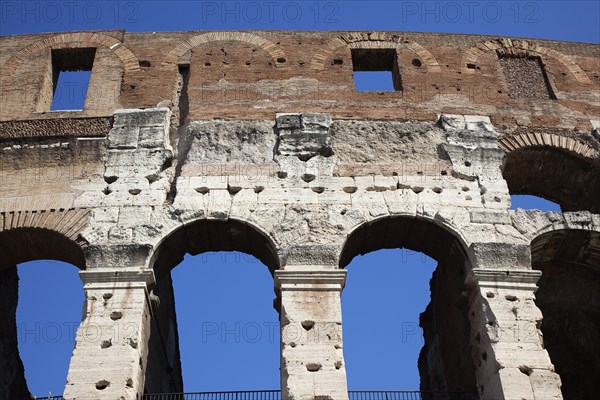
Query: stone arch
[(203, 235), (45, 234), (558, 168), (129, 60), (373, 40), (444, 363), (521, 46), (274, 51), (421, 225), (569, 298), (524, 140), (194, 237), (28, 236)]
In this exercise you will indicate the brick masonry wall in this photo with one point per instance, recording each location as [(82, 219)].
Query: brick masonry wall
[(251, 75)]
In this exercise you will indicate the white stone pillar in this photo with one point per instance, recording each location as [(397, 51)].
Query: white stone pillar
[(312, 360), (110, 353), (508, 351)]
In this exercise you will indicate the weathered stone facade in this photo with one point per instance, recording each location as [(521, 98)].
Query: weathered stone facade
[(257, 142)]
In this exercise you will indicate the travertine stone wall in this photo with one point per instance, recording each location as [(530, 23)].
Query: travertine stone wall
[(258, 142)]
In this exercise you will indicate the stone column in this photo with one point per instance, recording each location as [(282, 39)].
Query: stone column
[(312, 360), (507, 346), (110, 353)]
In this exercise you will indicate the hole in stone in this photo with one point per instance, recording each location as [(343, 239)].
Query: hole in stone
[(102, 385), (465, 189), (233, 190), (484, 356), (338, 364), (110, 179), (490, 295), (437, 190), (308, 177), (129, 383), (304, 157), (444, 173), (106, 344), (258, 189), (491, 323), (417, 189), (135, 192), (152, 178), (471, 66), (497, 199), (115, 315), (337, 346), (344, 211), (145, 64), (468, 198), (107, 191), (133, 343), (313, 367), (282, 174), (281, 60), (318, 189), (207, 64), (467, 163), (416, 62), (526, 370), (292, 344), (202, 190), (107, 296), (350, 189), (308, 325), (338, 61), (511, 297)]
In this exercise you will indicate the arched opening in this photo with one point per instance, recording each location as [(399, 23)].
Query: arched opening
[(219, 321), (554, 174), (38, 325), (529, 202), (444, 361), (569, 298)]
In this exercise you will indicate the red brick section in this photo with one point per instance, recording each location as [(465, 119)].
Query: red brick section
[(252, 75)]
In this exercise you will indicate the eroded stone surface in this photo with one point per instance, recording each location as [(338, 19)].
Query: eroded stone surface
[(305, 180)]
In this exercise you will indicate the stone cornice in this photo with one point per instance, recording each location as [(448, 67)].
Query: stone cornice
[(503, 279), (310, 280), (111, 279)]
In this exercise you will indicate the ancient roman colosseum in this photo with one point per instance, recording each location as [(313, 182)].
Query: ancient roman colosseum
[(259, 142)]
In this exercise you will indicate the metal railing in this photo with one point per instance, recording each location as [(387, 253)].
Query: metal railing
[(276, 395), (49, 398), (241, 395), (353, 394), (409, 395)]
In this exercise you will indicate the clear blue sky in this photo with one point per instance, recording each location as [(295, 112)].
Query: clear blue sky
[(218, 294)]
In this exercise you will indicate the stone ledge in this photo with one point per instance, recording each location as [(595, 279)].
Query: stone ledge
[(499, 279), (333, 280)]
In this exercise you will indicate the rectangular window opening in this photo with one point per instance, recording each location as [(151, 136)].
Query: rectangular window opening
[(376, 70), (71, 72), (526, 77)]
